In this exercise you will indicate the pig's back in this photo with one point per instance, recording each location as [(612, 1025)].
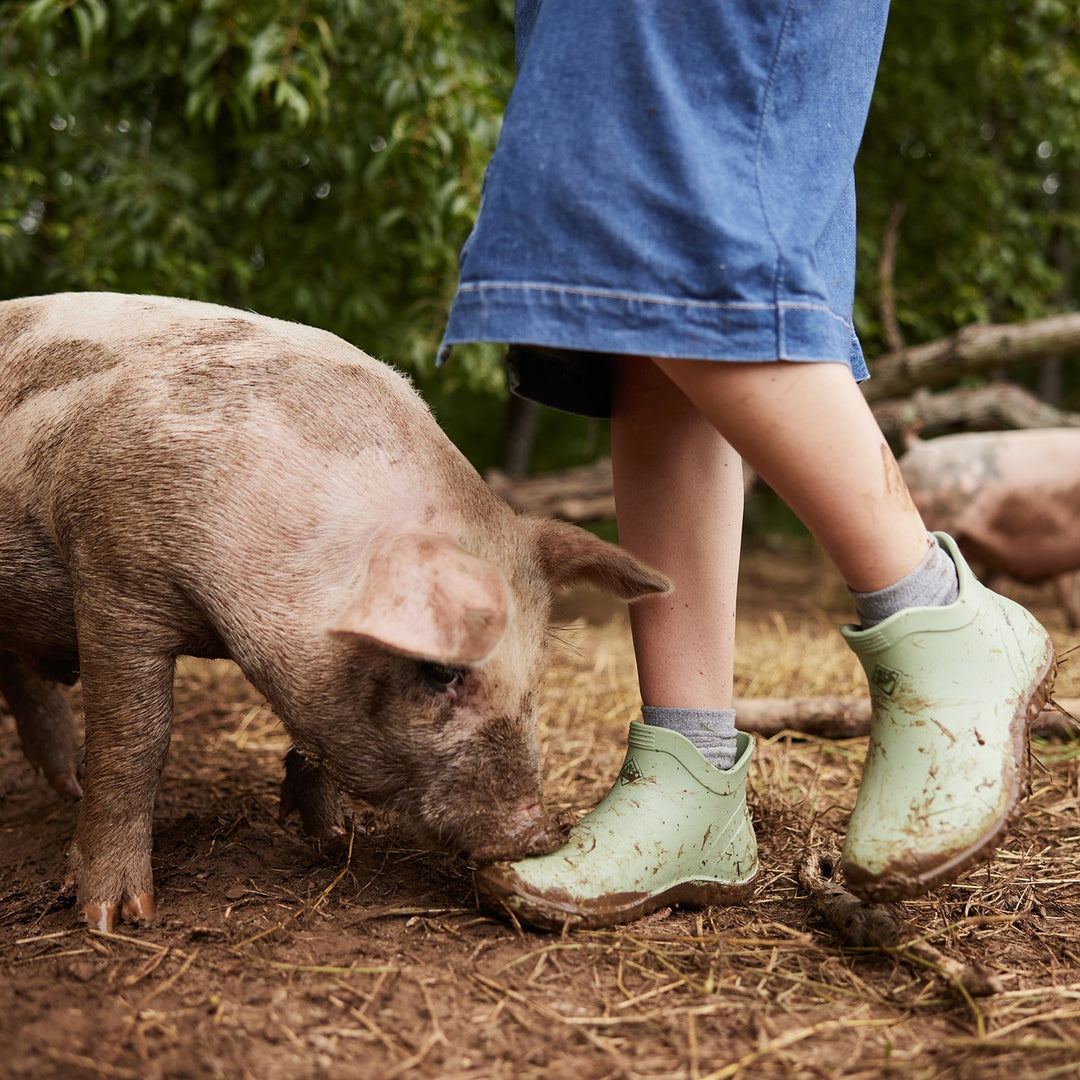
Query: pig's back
[(184, 449), (173, 412), (204, 357), (203, 380)]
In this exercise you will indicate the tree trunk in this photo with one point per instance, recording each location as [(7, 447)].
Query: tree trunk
[(522, 417)]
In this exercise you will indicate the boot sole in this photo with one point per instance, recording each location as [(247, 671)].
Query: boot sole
[(905, 882), (505, 894)]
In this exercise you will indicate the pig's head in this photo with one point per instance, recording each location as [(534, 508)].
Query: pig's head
[(444, 650)]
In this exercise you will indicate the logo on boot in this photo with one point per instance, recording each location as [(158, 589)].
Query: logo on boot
[(630, 772), (885, 679)]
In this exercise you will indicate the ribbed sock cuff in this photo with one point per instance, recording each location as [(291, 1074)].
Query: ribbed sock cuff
[(933, 583), (712, 731)]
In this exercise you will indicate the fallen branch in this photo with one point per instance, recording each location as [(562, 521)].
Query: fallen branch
[(849, 717), (580, 493), (972, 348), (879, 926), (999, 406)]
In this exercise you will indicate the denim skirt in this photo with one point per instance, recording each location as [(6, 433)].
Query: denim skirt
[(672, 179)]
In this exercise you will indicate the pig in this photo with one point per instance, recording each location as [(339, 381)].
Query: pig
[(180, 478), (1010, 498)]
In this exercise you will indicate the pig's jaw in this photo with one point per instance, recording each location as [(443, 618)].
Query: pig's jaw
[(478, 797), (510, 830)]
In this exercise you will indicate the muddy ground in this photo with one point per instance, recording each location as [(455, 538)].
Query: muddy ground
[(272, 961)]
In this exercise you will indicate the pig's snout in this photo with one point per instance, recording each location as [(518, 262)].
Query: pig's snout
[(526, 830)]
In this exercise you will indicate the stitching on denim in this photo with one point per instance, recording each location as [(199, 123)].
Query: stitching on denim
[(642, 298), (765, 102)]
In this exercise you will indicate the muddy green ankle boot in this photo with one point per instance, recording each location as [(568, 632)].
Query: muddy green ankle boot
[(953, 690), (672, 830)]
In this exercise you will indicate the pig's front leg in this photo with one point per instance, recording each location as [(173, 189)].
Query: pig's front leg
[(43, 720), (307, 789), (128, 701), (1068, 591)]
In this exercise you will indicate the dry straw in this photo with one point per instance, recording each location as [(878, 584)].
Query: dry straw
[(273, 962)]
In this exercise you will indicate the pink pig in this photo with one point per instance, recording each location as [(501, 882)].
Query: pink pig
[(1010, 498), (181, 478)]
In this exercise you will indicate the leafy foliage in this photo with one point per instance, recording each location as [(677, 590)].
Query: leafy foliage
[(975, 130), (318, 161)]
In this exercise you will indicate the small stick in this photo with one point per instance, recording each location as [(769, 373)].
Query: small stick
[(879, 926)]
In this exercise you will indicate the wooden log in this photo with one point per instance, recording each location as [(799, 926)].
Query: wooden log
[(581, 493), (825, 717), (998, 406), (971, 348), (849, 717)]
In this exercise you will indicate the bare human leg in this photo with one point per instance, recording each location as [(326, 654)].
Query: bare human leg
[(809, 433), (674, 830), (679, 499)]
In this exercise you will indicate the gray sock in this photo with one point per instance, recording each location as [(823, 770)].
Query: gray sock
[(712, 731), (931, 584)]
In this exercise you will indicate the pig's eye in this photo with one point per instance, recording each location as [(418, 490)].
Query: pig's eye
[(441, 678)]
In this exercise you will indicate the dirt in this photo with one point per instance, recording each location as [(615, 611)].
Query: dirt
[(272, 960)]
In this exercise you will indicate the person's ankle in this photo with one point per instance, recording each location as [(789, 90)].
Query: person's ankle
[(933, 583), (712, 731)]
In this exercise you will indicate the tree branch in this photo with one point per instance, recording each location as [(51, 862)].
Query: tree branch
[(880, 926), (995, 407), (972, 348)]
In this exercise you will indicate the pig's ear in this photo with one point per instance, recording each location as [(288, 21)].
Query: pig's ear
[(422, 595), (571, 556)]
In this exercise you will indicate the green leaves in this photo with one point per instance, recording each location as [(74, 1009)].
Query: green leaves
[(975, 129), (318, 161)]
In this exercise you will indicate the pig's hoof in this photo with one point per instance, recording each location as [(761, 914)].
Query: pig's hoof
[(105, 916), (67, 783), (101, 916), (334, 844), (310, 792), (140, 908), (322, 830), (328, 833)]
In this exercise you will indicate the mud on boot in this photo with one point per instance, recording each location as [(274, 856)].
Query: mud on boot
[(672, 830), (953, 691)]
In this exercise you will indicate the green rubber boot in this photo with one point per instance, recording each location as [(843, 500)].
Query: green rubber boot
[(672, 830), (953, 690)]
